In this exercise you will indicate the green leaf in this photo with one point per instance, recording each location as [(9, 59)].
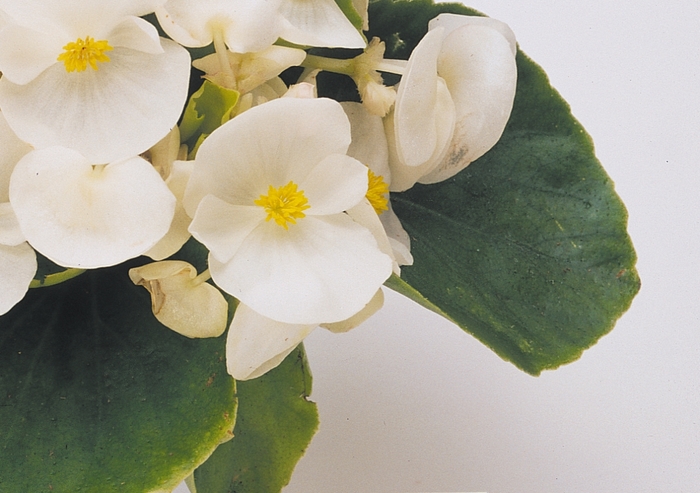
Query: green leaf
[(207, 110), (96, 395), (274, 426), (526, 248)]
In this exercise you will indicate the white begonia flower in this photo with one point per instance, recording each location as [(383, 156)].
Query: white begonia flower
[(319, 23), (90, 76), (86, 216), (453, 101), (242, 25), (270, 188), (17, 259), (181, 300)]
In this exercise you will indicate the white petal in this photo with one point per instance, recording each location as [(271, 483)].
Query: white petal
[(223, 227), (12, 151), (195, 310), (398, 238), (414, 112), (453, 21), (319, 23), (25, 53), (370, 309), (17, 269), (336, 184), (109, 114), (365, 215), (178, 234), (442, 120), (369, 144), (271, 144), (82, 217), (247, 25), (10, 232), (479, 68), (136, 34), (321, 269), (256, 344)]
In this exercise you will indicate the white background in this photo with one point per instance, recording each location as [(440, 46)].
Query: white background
[(410, 403)]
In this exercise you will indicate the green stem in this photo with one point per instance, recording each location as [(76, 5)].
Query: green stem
[(55, 278), (346, 67)]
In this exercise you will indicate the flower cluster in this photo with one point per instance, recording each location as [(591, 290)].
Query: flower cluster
[(288, 192)]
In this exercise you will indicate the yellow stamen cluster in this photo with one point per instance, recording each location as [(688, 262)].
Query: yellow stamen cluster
[(284, 204), (377, 192), (79, 54)]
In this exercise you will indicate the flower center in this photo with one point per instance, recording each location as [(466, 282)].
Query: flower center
[(377, 192), (284, 204), (79, 54)]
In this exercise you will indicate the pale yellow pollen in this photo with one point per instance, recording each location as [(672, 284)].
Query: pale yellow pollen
[(377, 192), (79, 54), (284, 204)]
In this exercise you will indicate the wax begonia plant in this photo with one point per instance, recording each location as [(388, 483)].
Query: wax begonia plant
[(263, 168)]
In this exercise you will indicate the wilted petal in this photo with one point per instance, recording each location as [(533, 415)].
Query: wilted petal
[(17, 268), (319, 23), (256, 344), (86, 217), (478, 65), (193, 309), (323, 268)]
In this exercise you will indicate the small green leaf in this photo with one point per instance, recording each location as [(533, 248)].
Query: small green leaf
[(274, 426), (96, 395), (207, 110), (527, 248)]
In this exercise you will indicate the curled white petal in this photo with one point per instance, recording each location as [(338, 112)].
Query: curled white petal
[(450, 22), (478, 65), (85, 216), (256, 344), (190, 308)]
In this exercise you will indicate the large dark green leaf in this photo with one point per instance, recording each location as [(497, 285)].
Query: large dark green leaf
[(96, 395), (274, 426), (526, 248)]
